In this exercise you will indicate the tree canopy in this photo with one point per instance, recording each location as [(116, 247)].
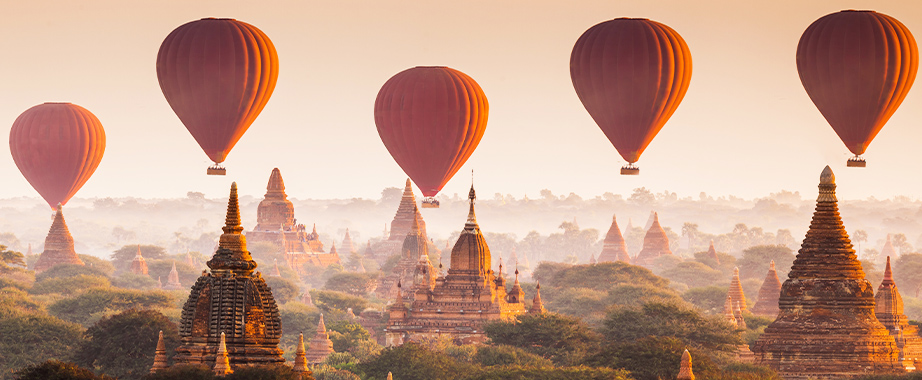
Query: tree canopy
[(89, 306), (123, 345), (558, 338), (670, 319)]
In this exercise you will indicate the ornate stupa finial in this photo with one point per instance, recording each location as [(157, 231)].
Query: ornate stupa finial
[(537, 307), (827, 186), (685, 370), (888, 275), (222, 363), (232, 254), (471, 223), (160, 359)]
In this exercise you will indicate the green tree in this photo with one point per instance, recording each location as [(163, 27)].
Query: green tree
[(356, 284), (652, 358), (97, 263), (325, 372), (602, 276), (907, 271), (413, 361), (27, 338), (503, 355), (69, 285), (330, 301), (161, 268), (70, 270), (184, 372), (547, 373), (756, 260), (93, 304), (266, 372), (559, 338), (693, 274), (130, 280), (347, 335), (860, 236), (56, 370), (669, 319), (283, 289), (709, 299), (123, 345), (636, 295), (10, 257)]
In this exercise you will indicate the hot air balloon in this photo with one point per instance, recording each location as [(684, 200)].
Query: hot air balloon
[(57, 147), (857, 67), (631, 75), (217, 75), (431, 120)]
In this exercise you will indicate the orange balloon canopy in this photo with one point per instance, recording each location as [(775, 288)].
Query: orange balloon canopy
[(431, 120), (217, 75), (631, 75), (57, 147), (857, 67)]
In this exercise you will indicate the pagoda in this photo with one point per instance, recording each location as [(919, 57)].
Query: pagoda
[(655, 244), (59, 246), (826, 327), (888, 250), (138, 264), (613, 248), (736, 290), (712, 253), (460, 303), (234, 300), (172, 280), (685, 368), (889, 311), (321, 346), (276, 224), (347, 246), (407, 214), (414, 246), (767, 301)]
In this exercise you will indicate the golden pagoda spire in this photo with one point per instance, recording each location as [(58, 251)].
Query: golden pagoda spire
[(471, 224), (888, 276), (390, 376), (160, 359), (685, 370), (222, 363), (232, 254), (537, 307), (300, 358)]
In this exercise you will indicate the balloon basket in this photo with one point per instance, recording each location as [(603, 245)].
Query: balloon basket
[(430, 202), (216, 170), (630, 169), (856, 162)]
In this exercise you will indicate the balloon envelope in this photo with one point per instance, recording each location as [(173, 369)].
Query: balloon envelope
[(431, 120), (857, 67), (57, 147), (217, 75), (631, 75)]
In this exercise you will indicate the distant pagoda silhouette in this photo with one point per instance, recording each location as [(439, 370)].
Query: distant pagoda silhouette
[(655, 244), (234, 301), (889, 311), (767, 301), (826, 327), (613, 248), (59, 246)]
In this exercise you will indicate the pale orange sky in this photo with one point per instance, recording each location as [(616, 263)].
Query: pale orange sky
[(746, 127)]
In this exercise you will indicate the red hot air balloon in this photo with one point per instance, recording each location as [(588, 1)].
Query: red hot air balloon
[(217, 75), (57, 147), (431, 120), (631, 75), (857, 67)]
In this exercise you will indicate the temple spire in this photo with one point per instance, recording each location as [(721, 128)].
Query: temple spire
[(59, 245), (471, 224), (685, 370), (232, 254), (736, 290), (537, 307), (888, 275), (300, 357), (712, 253), (222, 363), (160, 359)]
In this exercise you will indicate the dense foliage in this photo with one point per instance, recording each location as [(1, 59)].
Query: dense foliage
[(123, 345)]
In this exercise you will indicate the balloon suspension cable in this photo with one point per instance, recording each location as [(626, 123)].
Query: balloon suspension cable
[(216, 169), (630, 169), (856, 162)]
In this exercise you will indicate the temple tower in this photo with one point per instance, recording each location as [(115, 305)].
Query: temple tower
[(59, 246), (160, 360), (767, 302), (613, 248), (138, 264), (685, 369), (300, 367), (347, 246), (826, 327), (712, 253), (889, 311), (172, 280), (888, 250), (537, 307), (655, 244), (406, 213), (415, 245), (275, 211), (321, 346), (231, 300), (736, 290)]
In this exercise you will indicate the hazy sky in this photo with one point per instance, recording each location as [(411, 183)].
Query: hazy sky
[(746, 126)]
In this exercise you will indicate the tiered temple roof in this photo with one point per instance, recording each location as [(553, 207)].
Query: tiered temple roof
[(138, 264), (407, 212), (321, 346), (59, 246), (172, 280), (613, 248), (767, 302), (826, 328), (655, 244), (461, 302), (415, 245), (736, 290), (889, 311), (347, 246), (231, 300)]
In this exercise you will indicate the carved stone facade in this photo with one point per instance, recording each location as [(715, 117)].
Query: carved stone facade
[(59, 246), (613, 248), (655, 244), (826, 328), (767, 303), (889, 311), (234, 300), (461, 302), (276, 224)]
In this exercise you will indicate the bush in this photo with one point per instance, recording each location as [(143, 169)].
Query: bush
[(710, 299), (283, 290), (412, 361), (56, 370), (559, 338), (130, 280), (94, 303), (28, 338), (548, 373), (70, 270), (652, 358), (325, 372), (331, 301), (356, 284), (123, 345), (184, 372), (96, 263), (69, 285), (503, 355), (659, 319)]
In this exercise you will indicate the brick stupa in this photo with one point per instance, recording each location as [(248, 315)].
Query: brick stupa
[(138, 264), (613, 248), (685, 368), (461, 302), (231, 300), (712, 253), (172, 280), (655, 244), (347, 246), (407, 214), (826, 328), (321, 346), (889, 311), (59, 246), (414, 246), (767, 301), (736, 290)]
